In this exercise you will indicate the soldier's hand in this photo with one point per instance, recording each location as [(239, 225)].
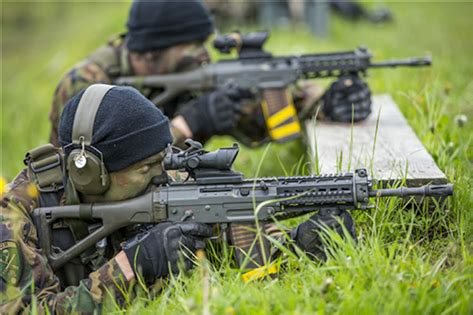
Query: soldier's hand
[(307, 234), (215, 113), (151, 253), (349, 94)]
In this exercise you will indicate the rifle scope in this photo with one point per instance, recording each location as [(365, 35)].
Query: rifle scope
[(222, 159), (242, 42)]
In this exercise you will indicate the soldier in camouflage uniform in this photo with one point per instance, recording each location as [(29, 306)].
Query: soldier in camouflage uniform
[(130, 133), (163, 37), (168, 36), (124, 119)]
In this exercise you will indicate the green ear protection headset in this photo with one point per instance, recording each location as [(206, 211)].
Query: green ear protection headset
[(85, 165)]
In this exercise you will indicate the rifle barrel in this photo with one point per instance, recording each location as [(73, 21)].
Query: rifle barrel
[(427, 190), (411, 62)]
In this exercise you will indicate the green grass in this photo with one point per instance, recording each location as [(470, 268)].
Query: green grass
[(405, 261)]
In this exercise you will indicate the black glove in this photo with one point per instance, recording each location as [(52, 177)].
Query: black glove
[(150, 252), (348, 90), (214, 113), (306, 235)]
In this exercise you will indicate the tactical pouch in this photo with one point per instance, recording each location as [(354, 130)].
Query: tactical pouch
[(280, 115), (251, 250), (45, 168)]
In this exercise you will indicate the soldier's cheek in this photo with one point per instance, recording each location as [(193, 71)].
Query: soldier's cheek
[(122, 181)]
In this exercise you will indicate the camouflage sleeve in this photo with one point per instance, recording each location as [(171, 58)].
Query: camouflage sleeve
[(306, 95), (27, 281), (81, 76)]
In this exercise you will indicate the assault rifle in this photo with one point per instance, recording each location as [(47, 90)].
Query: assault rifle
[(219, 195), (259, 71)]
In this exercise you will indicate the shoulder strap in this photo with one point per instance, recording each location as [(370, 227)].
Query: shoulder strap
[(86, 111), (45, 168)]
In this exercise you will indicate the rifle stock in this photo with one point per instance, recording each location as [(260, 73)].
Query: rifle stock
[(172, 85)]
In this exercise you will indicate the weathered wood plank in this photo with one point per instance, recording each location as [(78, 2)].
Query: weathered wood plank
[(398, 153)]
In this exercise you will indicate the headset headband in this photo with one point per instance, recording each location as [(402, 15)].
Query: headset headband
[(86, 111)]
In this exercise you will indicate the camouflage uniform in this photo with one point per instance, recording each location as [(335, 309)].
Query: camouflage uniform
[(112, 61), (25, 275)]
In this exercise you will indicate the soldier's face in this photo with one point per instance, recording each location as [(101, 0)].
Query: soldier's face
[(178, 58), (134, 180)]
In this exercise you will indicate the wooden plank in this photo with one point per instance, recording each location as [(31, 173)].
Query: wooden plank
[(398, 153)]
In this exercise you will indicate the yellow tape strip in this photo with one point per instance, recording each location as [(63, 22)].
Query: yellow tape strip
[(286, 130), (260, 272), (284, 114), (264, 106)]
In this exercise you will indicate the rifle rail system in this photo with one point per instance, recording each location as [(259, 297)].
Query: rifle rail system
[(256, 69)]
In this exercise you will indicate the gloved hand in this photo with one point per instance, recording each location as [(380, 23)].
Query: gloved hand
[(306, 235), (152, 251), (348, 90), (214, 113)]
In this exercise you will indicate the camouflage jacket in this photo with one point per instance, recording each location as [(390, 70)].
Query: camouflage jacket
[(112, 61), (27, 280)]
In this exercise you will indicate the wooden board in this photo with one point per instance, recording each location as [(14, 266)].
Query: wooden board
[(398, 153)]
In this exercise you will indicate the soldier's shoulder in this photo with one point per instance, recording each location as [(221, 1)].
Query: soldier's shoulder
[(22, 194), (109, 56), (83, 74)]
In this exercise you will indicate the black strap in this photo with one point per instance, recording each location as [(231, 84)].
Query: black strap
[(50, 199)]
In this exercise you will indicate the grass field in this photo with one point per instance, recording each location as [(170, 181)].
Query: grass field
[(405, 262)]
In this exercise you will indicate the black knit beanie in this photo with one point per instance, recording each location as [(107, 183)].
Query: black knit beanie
[(128, 128), (160, 24)]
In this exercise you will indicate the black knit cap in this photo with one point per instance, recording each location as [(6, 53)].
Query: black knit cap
[(128, 128), (160, 24)]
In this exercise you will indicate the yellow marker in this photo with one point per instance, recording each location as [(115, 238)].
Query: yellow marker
[(284, 124), (200, 254), (32, 190), (260, 272), (281, 116), (3, 185), (285, 130)]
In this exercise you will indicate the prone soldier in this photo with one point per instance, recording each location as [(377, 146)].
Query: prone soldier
[(112, 141), (168, 36)]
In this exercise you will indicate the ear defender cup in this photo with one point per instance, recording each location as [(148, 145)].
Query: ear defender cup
[(85, 166), (89, 176)]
